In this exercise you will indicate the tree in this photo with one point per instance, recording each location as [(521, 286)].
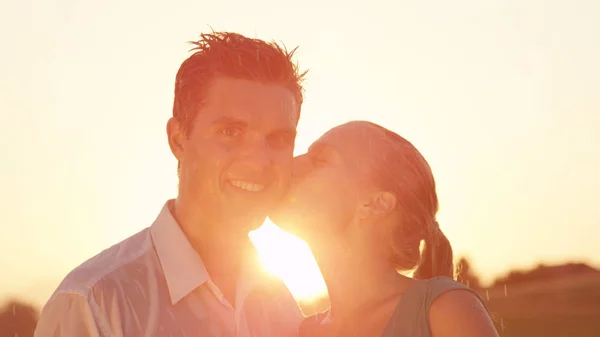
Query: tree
[(466, 275), (18, 319), (546, 273)]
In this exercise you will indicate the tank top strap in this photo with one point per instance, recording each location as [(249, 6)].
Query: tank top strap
[(440, 285), (311, 323)]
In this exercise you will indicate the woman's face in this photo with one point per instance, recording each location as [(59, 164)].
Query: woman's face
[(328, 185)]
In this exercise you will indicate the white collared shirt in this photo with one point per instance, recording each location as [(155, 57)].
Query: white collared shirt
[(155, 284)]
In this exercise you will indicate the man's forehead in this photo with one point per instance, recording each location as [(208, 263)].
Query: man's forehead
[(243, 90), (260, 104)]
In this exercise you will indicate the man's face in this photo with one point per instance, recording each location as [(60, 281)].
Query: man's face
[(236, 160)]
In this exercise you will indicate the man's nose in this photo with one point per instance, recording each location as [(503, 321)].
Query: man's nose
[(257, 156)]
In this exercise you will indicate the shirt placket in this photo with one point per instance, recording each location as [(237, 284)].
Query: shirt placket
[(232, 312)]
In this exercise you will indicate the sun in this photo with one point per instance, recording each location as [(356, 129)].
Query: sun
[(290, 258)]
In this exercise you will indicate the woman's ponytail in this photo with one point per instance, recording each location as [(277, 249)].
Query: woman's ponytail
[(436, 257)]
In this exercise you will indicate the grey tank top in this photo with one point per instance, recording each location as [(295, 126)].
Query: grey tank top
[(411, 317)]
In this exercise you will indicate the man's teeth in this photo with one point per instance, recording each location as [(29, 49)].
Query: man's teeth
[(247, 186)]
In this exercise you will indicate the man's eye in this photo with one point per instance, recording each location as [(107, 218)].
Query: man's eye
[(231, 132), (282, 140)]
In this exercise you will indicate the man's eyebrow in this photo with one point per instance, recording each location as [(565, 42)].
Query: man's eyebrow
[(290, 131), (229, 120)]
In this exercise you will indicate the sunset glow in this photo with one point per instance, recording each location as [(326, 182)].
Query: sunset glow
[(290, 258), (501, 97)]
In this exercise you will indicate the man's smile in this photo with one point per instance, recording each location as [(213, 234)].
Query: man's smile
[(248, 186)]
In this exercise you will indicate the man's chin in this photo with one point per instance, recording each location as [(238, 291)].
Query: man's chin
[(246, 222)]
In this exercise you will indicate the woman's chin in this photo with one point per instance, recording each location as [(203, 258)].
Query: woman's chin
[(285, 222), (282, 222)]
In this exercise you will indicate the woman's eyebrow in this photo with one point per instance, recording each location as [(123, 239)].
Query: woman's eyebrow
[(317, 147)]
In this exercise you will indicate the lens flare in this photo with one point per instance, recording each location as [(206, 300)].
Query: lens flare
[(290, 258)]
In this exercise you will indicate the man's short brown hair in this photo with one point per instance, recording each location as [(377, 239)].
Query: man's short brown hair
[(236, 56)]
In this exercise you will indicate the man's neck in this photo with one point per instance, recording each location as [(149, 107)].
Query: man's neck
[(221, 253)]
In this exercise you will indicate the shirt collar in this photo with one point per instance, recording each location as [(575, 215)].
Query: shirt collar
[(181, 264), (184, 269)]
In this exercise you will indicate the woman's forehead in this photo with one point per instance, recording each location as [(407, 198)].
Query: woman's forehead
[(359, 144), (356, 137)]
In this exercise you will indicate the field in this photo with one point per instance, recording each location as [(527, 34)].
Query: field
[(565, 307), (557, 301), (568, 306)]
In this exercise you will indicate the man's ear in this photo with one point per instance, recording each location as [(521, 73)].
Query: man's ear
[(378, 204), (176, 136)]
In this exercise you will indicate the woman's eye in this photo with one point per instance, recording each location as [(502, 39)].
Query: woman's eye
[(231, 132), (318, 160)]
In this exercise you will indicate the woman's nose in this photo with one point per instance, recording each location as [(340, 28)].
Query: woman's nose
[(301, 166)]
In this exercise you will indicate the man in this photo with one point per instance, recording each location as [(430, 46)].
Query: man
[(193, 272)]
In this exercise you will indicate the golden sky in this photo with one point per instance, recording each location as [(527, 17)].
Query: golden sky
[(502, 97)]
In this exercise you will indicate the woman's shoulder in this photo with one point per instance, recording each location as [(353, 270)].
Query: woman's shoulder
[(451, 312), (427, 301), (452, 307)]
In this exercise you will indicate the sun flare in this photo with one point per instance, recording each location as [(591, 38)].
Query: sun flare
[(290, 258)]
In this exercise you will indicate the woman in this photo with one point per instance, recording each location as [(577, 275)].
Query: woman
[(364, 199)]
